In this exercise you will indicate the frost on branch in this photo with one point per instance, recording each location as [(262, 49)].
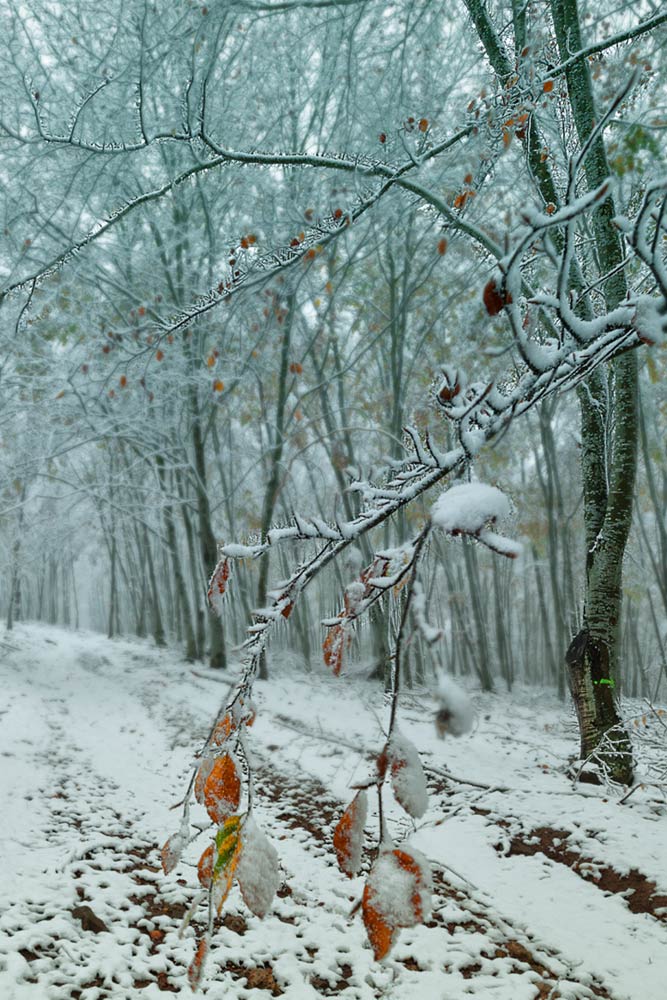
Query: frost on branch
[(651, 320), (407, 776), (257, 872), (470, 509), (348, 838), (455, 713)]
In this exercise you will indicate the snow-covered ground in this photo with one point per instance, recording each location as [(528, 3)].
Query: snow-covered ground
[(541, 891)]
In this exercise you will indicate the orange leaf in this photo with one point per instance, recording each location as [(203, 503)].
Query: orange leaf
[(218, 386), (205, 867), (196, 969), (380, 933), (442, 247), (159, 355), (287, 610), (222, 790), (460, 199), (548, 86), (397, 893), (423, 124), (348, 836), (222, 730)]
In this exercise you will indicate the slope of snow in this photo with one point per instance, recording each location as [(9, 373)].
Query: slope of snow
[(96, 743)]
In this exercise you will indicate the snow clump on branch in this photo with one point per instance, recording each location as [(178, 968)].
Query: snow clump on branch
[(469, 509)]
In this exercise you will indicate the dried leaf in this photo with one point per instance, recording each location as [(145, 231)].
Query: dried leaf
[(493, 300), (196, 969), (258, 871), (222, 730), (218, 585), (348, 838), (332, 648), (222, 789), (205, 867), (200, 780), (171, 852)]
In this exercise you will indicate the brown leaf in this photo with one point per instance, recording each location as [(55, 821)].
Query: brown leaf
[(205, 867), (493, 300), (171, 853), (332, 648), (218, 585), (202, 774)]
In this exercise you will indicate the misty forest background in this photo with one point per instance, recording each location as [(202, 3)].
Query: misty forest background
[(147, 416)]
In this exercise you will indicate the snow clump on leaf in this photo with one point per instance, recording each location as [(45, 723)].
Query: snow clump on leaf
[(400, 886), (469, 507), (258, 871), (407, 776), (455, 714)]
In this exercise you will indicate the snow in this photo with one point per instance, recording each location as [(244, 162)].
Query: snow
[(469, 507), (651, 320), (97, 741)]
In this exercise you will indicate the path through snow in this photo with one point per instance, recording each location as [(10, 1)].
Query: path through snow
[(96, 742)]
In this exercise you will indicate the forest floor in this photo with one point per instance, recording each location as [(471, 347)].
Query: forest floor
[(541, 891)]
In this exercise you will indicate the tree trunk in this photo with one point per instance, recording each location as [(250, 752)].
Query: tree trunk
[(609, 467)]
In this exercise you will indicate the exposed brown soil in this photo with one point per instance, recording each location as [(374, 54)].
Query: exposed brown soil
[(257, 978), (640, 893), (307, 804), (328, 989)]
